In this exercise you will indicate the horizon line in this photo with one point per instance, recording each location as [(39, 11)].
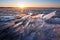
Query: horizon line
[(35, 7)]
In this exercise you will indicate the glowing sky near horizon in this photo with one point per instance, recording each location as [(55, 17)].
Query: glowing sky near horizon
[(30, 3)]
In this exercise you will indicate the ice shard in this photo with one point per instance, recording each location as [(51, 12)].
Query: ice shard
[(50, 15)]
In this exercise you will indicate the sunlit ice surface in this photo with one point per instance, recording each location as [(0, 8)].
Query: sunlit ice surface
[(28, 28)]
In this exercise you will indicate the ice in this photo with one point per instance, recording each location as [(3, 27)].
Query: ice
[(31, 26)]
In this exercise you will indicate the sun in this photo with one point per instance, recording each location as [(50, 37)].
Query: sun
[(22, 5)]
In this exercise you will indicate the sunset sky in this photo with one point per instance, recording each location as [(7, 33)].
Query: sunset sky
[(30, 3)]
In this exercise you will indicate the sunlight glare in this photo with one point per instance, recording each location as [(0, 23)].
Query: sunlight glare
[(22, 5)]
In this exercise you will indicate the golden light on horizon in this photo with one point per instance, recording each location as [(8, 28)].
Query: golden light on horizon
[(22, 6)]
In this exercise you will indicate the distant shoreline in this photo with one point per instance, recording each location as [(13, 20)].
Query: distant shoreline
[(33, 7)]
